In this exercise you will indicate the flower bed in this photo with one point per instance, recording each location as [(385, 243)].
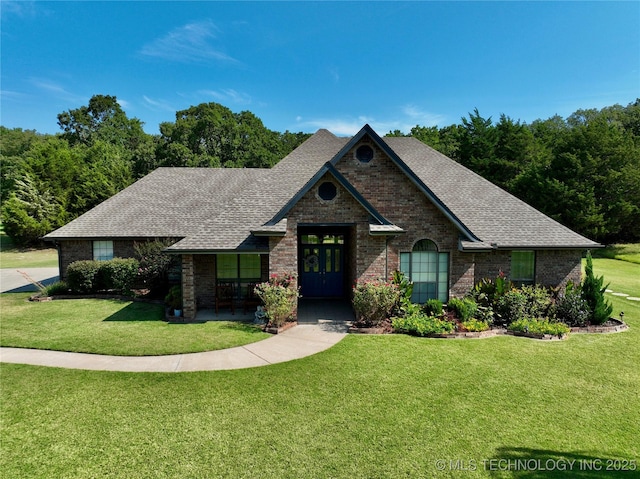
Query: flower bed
[(611, 326)]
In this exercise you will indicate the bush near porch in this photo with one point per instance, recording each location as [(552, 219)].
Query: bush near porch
[(279, 296)]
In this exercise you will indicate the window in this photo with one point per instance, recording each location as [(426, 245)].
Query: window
[(429, 271), (239, 269), (327, 191), (364, 154), (523, 266), (102, 250)]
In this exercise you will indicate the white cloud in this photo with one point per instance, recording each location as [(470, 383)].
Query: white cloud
[(410, 116), (190, 43), (21, 8), (228, 95), (421, 117), (337, 126), (158, 105), (57, 90)]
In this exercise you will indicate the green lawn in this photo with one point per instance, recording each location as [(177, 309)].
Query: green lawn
[(371, 406), (622, 276), (112, 327), (626, 252), (14, 257)]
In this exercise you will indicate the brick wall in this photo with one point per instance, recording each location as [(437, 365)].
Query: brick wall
[(205, 280), (556, 268), (77, 250), (489, 265), (74, 250), (390, 191), (188, 287)]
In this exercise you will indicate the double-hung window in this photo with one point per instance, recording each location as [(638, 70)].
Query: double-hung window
[(102, 250)]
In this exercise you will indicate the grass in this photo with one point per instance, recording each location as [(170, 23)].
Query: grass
[(624, 252), (371, 406), (622, 276), (112, 327), (13, 257)]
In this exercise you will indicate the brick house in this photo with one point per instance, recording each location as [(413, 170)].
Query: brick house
[(336, 211)]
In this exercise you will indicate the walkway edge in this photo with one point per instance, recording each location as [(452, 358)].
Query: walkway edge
[(296, 343)]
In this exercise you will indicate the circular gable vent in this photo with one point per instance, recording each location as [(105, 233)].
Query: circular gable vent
[(364, 153), (327, 191)]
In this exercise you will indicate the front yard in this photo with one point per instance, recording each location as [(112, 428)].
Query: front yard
[(371, 406), (112, 327)]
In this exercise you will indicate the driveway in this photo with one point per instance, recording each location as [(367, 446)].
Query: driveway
[(13, 282)]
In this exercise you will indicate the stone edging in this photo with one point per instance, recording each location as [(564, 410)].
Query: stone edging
[(619, 327)]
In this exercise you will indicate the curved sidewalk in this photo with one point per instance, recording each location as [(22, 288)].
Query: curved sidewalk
[(295, 343)]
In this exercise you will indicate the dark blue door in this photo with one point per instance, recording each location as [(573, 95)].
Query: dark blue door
[(322, 267)]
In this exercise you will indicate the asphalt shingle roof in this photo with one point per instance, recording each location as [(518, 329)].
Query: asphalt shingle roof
[(216, 209), (492, 214)]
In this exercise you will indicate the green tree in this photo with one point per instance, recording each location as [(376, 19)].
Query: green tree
[(593, 294), (212, 135), (30, 212), (102, 119)]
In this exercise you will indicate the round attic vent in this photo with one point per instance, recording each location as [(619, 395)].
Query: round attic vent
[(364, 153)]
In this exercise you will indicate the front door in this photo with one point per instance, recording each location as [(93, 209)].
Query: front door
[(322, 265)]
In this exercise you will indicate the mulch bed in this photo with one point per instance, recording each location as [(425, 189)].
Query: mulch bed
[(611, 326)]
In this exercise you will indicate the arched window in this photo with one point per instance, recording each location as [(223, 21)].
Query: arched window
[(429, 271)]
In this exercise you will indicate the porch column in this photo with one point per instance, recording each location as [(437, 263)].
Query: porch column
[(188, 287)]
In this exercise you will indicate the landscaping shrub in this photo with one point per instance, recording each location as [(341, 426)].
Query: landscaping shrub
[(539, 326), (422, 325), (487, 292), (433, 307), (173, 299), (373, 301), (475, 325), (571, 308), (83, 277), (464, 309), (538, 301), (155, 265), (405, 287), (119, 274), (59, 287), (593, 293), (527, 302), (280, 298)]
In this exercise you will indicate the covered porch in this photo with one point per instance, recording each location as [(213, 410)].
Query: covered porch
[(310, 311)]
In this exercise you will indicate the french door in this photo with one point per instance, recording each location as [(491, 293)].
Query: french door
[(322, 265)]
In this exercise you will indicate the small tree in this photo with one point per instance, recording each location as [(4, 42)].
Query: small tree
[(593, 294), (154, 264)]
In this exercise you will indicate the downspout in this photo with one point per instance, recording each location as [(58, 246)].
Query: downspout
[(386, 257), (59, 250)]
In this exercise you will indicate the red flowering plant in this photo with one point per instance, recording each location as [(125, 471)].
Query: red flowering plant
[(373, 301), (280, 298)]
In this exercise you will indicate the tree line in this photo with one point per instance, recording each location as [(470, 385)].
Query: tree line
[(48, 180), (584, 170)]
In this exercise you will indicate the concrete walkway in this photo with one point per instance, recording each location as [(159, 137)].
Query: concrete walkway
[(295, 343)]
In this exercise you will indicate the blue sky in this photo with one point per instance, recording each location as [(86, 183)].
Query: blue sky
[(301, 66)]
